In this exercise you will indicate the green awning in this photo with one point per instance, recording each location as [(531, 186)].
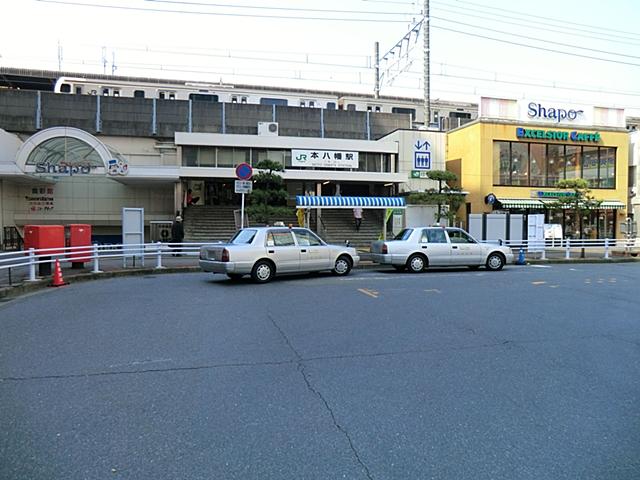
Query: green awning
[(604, 205), (520, 203)]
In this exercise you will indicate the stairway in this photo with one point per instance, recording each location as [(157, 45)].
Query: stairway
[(338, 225), (204, 223)]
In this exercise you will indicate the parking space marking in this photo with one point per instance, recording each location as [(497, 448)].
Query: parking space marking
[(433, 290), (538, 283), (371, 293)]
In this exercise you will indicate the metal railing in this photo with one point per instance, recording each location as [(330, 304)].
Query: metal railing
[(26, 262), (574, 247)]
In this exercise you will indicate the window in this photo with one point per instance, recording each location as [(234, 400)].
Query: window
[(116, 93), (280, 238), (244, 237), (243, 100), (458, 236), (411, 111), (433, 235), (138, 94), (65, 88), (351, 107), (331, 106), (520, 164), (172, 96), (105, 91), (302, 104), (312, 104), (590, 165), (79, 90), (543, 165), (378, 109), (234, 99), (538, 164), (501, 163), (404, 234), (608, 167), (573, 160), (306, 238), (555, 164), (203, 97), (369, 108), (282, 102), (161, 95)]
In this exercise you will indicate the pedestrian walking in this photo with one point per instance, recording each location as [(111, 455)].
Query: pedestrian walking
[(177, 235), (357, 217)]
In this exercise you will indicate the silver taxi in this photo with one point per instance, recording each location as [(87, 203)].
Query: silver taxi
[(421, 247), (263, 252)]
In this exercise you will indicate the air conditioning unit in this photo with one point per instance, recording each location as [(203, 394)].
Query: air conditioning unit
[(268, 128)]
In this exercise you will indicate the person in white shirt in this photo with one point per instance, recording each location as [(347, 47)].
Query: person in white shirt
[(357, 217)]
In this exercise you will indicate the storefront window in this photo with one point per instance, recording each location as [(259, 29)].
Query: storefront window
[(573, 161), (520, 164), (501, 163), (543, 165), (555, 164), (590, 165), (538, 164), (607, 168)]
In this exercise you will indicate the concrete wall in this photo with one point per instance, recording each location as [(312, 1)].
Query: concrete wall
[(135, 117)]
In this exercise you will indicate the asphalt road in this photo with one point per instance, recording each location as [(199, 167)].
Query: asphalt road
[(528, 373)]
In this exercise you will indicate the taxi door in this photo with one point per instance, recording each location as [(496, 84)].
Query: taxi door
[(464, 249), (314, 255), (282, 249), (434, 244)]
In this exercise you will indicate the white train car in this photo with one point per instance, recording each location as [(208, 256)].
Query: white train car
[(207, 92)]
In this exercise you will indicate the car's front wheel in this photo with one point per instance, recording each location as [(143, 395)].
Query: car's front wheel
[(495, 262), (416, 263), (263, 271), (342, 266)]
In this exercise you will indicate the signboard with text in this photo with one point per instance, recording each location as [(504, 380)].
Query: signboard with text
[(243, 186), (324, 159)]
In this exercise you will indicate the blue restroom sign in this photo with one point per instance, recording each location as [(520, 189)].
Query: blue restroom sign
[(422, 155)]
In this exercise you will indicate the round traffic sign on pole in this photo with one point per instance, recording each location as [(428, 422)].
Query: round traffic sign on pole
[(244, 171)]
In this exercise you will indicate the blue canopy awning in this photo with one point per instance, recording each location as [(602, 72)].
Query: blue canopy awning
[(349, 202)]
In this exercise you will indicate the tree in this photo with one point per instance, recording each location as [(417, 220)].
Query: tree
[(444, 195), (268, 200), (578, 199)]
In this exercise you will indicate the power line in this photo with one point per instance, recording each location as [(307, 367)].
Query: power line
[(536, 38), (547, 18), (500, 19), (536, 47), (262, 7), (193, 12)]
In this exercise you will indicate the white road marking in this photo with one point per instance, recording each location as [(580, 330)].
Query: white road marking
[(371, 293)]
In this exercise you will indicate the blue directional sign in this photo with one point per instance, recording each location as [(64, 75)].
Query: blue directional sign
[(422, 156)]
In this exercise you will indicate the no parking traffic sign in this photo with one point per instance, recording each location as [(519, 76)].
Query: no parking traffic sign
[(244, 171)]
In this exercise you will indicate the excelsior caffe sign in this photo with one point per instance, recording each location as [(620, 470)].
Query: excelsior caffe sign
[(575, 136)]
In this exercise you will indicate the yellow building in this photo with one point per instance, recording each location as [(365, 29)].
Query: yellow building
[(512, 164)]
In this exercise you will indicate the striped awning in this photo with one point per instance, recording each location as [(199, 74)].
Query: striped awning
[(520, 203), (303, 201)]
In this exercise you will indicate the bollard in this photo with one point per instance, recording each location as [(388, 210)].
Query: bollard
[(159, 256), (521, 260), (32, 266), (543, 254), (567, 254), (606, 248), (96, 260)]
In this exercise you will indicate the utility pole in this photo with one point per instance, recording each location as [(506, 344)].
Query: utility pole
[(427, 70), (376, 89)]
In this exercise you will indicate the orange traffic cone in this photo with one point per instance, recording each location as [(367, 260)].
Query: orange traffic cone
[(57, 276)]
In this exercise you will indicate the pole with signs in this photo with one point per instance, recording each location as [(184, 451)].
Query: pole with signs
[(243, 185)]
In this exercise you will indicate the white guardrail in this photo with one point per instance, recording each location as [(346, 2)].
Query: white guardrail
[(568, 247), (29, 259)]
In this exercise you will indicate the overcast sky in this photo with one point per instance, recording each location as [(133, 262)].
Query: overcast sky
[(330, 45)]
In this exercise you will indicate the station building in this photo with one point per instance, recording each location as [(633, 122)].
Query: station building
[(80, 159), (511, 158)]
